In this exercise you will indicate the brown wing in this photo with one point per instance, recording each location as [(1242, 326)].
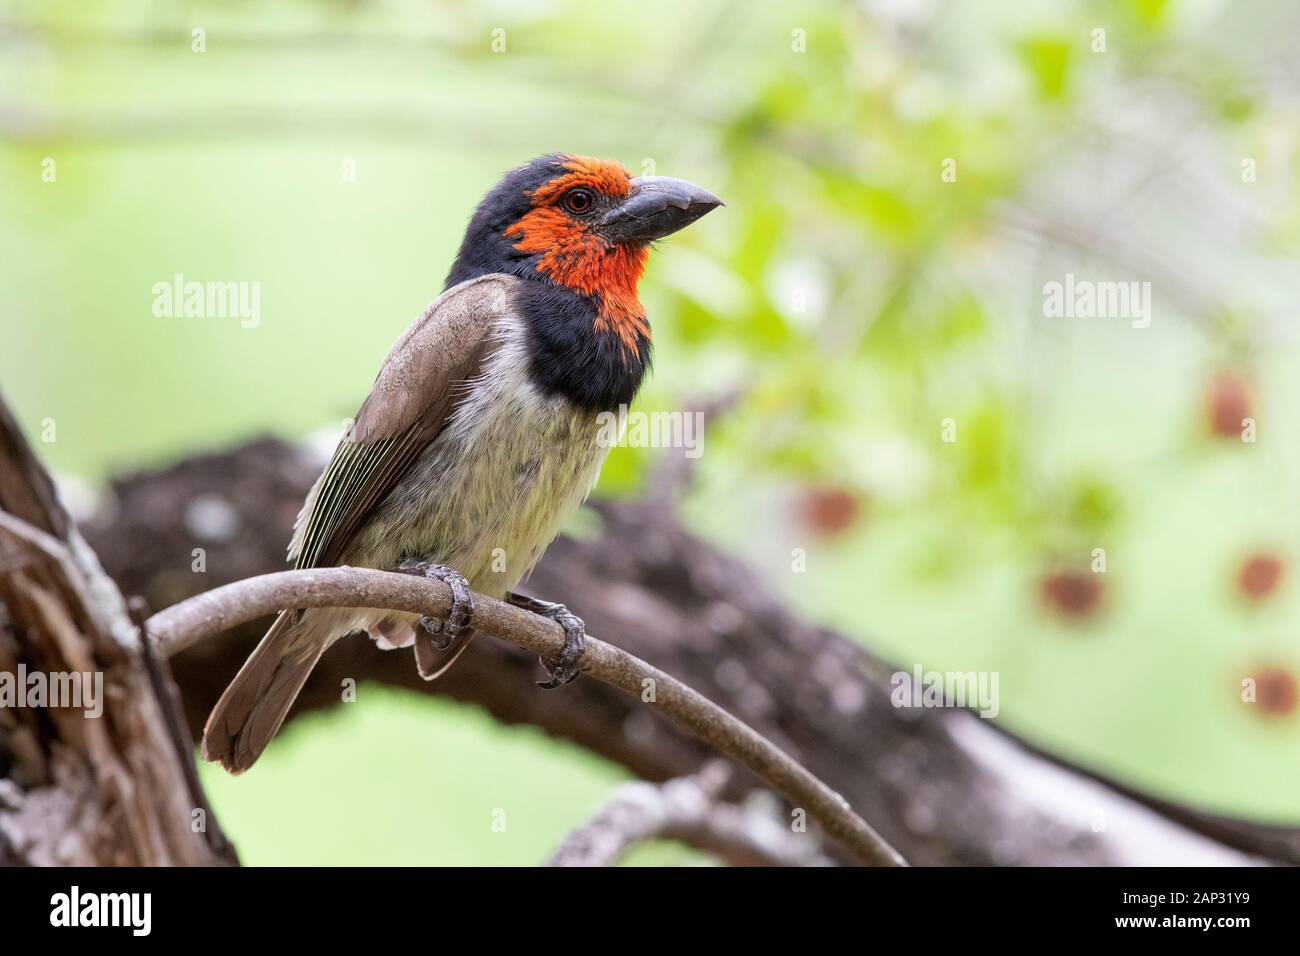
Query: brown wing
[(422, 379)]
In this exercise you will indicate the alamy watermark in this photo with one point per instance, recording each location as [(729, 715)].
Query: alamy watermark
[(977, 690), (179, 299), (683, 430), (56, 689), (1086, 299), (133, 911)]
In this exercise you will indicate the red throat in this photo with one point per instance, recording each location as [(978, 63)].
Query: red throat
[(574, 257)]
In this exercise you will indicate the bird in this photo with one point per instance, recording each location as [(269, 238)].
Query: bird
[(481, 433)]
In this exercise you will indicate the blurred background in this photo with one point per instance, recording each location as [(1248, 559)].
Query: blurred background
[(1073, 503)]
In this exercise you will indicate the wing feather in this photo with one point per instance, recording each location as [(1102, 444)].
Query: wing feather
[(414, 395)]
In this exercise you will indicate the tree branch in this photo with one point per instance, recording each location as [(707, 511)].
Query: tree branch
[(105, 776), (208, 614), (690, 811), (943, 786)]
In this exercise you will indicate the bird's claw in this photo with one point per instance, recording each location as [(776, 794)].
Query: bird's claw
[(565, 668), (434, 628), (444, 631)]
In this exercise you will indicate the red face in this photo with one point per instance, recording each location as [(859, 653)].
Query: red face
[(565, 228)]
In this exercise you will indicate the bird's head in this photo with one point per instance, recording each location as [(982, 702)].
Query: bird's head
[(581, 223)]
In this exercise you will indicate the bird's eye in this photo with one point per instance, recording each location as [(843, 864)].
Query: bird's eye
[(579, 201)]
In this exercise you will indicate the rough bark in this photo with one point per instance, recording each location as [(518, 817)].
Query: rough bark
[(77, 786), (943, 786)]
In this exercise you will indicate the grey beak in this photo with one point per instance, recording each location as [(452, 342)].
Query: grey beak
[(656, 207)]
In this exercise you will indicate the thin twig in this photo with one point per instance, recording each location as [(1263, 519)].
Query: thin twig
[(688, 810), (208, 614)]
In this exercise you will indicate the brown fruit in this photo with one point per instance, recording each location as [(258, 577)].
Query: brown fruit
[(1259, 575), (1276, 692), (1227, 402), (828, 511), (1073, 594)]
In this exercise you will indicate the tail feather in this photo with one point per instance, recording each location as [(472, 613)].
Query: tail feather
[(255, 704), (426, 655)]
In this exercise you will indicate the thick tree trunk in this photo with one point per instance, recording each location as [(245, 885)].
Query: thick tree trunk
[(95, 763), (942, 786)]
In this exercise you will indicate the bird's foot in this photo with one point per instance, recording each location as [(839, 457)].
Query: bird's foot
[(444, 632), (564, 668)]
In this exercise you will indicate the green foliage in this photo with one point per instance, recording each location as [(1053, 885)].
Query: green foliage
[(1048, 59)]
